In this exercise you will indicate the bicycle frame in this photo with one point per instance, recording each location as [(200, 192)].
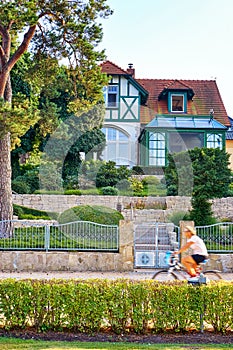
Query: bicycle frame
[(176, 270), (177, 267)]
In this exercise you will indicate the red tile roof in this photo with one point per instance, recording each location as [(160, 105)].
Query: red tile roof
[(111, 68), (206, 96)]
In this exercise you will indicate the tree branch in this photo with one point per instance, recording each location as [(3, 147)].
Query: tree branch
[(6, 43), (22, 48)]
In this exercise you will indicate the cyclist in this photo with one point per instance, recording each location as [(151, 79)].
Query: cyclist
[(199, 253)]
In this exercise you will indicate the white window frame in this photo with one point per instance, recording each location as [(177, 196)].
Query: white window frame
[(157, 149), (112, 89), (117, 142), (177, 95)]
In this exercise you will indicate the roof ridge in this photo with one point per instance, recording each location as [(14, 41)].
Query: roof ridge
[(172, 79), (115, 65)]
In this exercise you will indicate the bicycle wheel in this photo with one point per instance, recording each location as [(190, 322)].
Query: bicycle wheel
[(212, 275), (164, 275)]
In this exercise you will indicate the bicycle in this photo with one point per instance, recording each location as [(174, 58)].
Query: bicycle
[(176, 271)]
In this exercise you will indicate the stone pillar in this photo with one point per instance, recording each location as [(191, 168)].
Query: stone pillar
[(183, 238), (126, 244)]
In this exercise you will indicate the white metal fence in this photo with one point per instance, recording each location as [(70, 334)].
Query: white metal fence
[(79, 235), (218, 237)]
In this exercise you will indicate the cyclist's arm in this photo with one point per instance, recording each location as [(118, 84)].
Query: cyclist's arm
[(184, 248)]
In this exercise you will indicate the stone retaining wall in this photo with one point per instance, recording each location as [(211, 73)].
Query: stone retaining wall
[(138, 209), (59, 203)]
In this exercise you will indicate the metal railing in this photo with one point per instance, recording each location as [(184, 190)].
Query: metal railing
[(218, 237), (151, 241), (79, 235)]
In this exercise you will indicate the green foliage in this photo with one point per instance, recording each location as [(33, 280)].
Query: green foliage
[(16, 118), (201, 213), (202, 173), (50, 176), (153, 186), (89, 142), (137, 186), (150, 180), (123, 185), (73, 192), (179, 174), (56, 30), (110, 175), (212, 175), (88, 305), (90, 168), (109, 191), (19, 186), (137, 170), (202, 168), (178, 216), (29, 213), (27, 183), (99, 214)]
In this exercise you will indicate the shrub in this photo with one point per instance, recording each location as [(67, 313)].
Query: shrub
[(99, 214), (176, 217), (73, 192), (137, 170), (32, 179), (110, 175), (109, 191), (34, 214), (84, 183), (137, 186), (19, 186), (50, 176), (123, 185), (71, 182), (141, 307), (150, 180)]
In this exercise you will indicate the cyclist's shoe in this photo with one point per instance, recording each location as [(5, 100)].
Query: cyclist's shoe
[(192, 275)]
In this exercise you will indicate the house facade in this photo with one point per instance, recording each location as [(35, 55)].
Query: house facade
[(148, 118)]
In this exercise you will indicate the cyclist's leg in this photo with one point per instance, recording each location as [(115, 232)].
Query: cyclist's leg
[(190, 264)]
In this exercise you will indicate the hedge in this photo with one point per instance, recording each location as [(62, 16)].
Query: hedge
[(120, 305)]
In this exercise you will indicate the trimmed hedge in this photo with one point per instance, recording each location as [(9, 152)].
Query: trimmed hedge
[(95, 213), (119, 305), (25, 213)]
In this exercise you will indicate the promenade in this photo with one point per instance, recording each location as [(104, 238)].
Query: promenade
[(134, 275)]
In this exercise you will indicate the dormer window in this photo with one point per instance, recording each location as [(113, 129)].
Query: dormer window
[(111, 96), (177, 102)]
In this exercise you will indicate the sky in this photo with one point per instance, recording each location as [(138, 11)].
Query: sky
[(173, 39)]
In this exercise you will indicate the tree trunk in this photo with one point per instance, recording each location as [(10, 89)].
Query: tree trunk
[(6, 207)]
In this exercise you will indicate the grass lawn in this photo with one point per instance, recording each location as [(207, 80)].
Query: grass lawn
[(13, 344)]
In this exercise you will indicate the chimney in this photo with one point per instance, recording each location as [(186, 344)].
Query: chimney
[(131, 70)]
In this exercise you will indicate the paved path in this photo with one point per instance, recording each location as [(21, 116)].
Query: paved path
[(136, 275)]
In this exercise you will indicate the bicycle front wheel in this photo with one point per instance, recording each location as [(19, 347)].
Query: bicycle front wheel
[(212, 275), (164, 275)]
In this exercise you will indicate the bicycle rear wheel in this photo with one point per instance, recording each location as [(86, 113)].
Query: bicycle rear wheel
[(164, 275), (212, 275)]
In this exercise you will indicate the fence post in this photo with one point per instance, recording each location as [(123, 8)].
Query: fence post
[(47, 237)]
